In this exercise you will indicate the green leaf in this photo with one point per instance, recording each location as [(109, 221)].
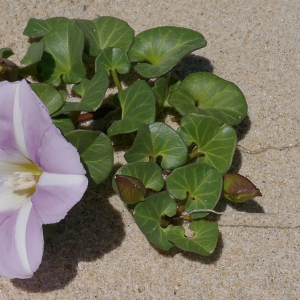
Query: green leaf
[(163, 88), (34, 53), (215, 141), (138, 107), (38, 28), (63, 55), (5, 52), (64, 123), (130, 189), (200, 183), (96, 152), (208, 94), (148, 216), (204, 241), (31, 59), (49, 95), (158, 140), (113, 59), (105, 32), (239, 189), (150, 174), (92, 93), (163, 48)]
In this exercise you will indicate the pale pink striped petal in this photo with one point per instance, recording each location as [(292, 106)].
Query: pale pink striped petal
[(56, 155), (7, 138), (56, 194), (16, 247), (31, 119)]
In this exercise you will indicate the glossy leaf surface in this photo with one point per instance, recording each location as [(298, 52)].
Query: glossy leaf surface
[(49, 95), (62, 57), (31, 59), (158, 140), (64, 123), (148, 213), (34, 53), (96, 153), (38, 28), (113, 59), (200, 183), (163, 89), (215, 141), (207, 94), (105, 32), (162, 48), (204, 241), (149, 173), (92, 93), (138, 107)]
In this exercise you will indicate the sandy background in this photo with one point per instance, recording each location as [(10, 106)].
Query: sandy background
[(99, 253)]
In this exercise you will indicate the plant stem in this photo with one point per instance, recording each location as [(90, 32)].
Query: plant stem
[(116, 80)]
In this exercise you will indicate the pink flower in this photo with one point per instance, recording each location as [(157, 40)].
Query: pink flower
[(41, 178)]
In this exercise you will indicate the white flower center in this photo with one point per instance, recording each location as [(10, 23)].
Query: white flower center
[(21, 181)]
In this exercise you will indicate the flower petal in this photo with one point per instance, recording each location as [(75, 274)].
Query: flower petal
[(38, 138), (56, 194), (57, 155), (34, 240), (11, 200), (31, 120), (8, 147), (20, 235)]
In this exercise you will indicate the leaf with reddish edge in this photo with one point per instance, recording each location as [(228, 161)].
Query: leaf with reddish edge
[(131, 189), (239, 189)]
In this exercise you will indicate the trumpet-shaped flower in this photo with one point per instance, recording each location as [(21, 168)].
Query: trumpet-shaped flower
[(41, 178)]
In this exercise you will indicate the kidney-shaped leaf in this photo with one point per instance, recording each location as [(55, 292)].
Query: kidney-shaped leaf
[(138, 107), (208, 94), (204, 241), (105, 32), (163, 89), (64, 123), (113, 59), (150, 174), (96, 152), (239, 189), (92, 93), (63, 55), (215, 141), (31, 59), (5, 52), (130, 189), (148, 216), (163, 48), (49, 95), (201, 183), (38, 28), (34, 53), (158, 140)]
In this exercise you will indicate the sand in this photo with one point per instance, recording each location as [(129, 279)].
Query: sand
[(99, 253)]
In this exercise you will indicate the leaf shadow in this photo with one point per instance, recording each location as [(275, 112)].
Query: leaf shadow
[(91, 229), (243, 128), (250, 206), (192, 63), (241, 131), (214, 257)]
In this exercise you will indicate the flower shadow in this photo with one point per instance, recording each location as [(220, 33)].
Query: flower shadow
[(90, 230)]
